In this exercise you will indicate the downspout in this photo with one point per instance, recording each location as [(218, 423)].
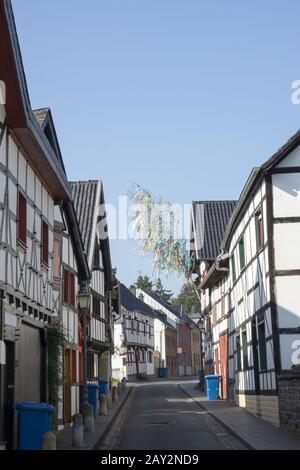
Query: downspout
[(222, 256)]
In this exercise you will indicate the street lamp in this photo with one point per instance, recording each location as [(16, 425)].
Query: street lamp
[(84, 298)]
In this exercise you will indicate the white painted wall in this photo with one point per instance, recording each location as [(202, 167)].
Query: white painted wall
[(160, 338)]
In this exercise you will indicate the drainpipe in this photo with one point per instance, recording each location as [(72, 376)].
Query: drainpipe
[(223, 256)]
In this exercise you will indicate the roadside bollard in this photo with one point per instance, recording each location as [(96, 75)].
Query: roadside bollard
[(108, 399), (123, 384), (115, 396), (49, 441), (88, 417), (103, 405), (77, 432)]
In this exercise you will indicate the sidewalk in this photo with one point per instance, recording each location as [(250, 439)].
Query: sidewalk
[(102, 426), (252, 431)]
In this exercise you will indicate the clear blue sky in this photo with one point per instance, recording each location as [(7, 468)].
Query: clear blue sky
[(181, 96)]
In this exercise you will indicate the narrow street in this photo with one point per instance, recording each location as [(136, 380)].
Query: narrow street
[(159, 416)]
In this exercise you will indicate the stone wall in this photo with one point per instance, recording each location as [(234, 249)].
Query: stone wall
[(264, 406), (289, 402)]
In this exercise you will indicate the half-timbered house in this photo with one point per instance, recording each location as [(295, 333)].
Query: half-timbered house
[(32, 182), (209, 222), (137, 320), (88, 198), (259, 257), (70, 269), (165, 328)]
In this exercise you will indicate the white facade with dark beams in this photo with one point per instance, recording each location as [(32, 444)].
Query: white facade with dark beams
[(32, 182), (259, 261), (137, 320), (209, 222), (88, 197)]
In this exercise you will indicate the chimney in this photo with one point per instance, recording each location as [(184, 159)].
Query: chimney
[(133, 290)]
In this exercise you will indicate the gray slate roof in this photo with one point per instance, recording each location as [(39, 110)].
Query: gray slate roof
[(172, 308), (86, 199), (131, 303), (210, 219)]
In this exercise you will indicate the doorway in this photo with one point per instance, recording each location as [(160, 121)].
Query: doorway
[(224, 365), (67, 387)]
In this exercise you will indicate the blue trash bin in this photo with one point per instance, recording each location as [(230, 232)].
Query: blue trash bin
[(212, 386), (93, 393), (34, 420), (103, 387), (163, 372)]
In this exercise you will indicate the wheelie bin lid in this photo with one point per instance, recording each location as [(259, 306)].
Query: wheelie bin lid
[(212, 376), (33, 406)]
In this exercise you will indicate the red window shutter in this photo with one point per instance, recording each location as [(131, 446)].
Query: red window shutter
[(66, 286), (45, 242), (74, 367), (72, 289), (22, 218)]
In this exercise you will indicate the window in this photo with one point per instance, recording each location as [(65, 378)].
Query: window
[(150, 357), (262, 349), (259, 229), (69, 288), (45, 243), (238, 353), (242, 253), (223, 305), (132, 326), (214, 314), (22, 219), (72, 289), (96, 262), (245, 350), (74, 368), (66, 286), (90, 365), (233, 271)]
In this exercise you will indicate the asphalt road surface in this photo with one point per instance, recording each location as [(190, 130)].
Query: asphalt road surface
[(159, 416)]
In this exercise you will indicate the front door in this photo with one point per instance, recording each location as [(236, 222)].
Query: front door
[(67, 387), (224, 364)]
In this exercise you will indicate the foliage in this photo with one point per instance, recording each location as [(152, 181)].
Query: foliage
[(156, 228), (187, 298), (161, 291), (144, 283), (56, 344), (157, 288)]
